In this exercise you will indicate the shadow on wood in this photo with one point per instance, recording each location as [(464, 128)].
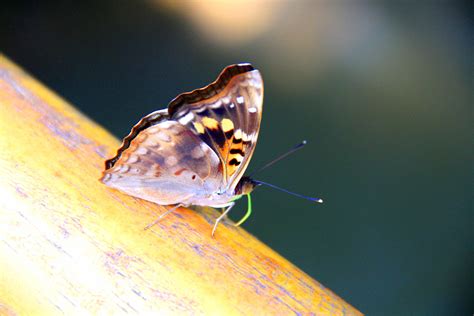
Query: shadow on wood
[(69, 244)]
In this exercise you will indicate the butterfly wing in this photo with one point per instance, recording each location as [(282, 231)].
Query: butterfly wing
[(164, 163), (226, 115), (199, 146)]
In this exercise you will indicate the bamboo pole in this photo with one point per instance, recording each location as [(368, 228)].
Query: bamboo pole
[(71, 245)]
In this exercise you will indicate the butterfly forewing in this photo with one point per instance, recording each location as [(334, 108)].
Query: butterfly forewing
[(228, 121)]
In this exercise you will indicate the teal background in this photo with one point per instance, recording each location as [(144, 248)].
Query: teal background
[(381, 91)]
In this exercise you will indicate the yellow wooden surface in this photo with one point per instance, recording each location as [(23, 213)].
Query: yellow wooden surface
[(69, 244)]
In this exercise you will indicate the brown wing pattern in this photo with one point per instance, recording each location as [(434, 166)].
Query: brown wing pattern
[(149, 120), (226, 115), (202, 143), (166, 164)]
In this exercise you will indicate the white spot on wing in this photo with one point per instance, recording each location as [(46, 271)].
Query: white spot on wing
[(247, 137), (123, 168), (216, 105), (197, 152), (166, 124), (132, 159), (232, 105), (201, 109), (141, 151), (163, 136), (226, 100), (252, 109), (152, 141), (187, 118), (153, 129), (238, 134), (256, 83), (204, 147), (240, 100), (171, 161)]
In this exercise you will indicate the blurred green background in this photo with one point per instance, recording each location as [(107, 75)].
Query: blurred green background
[(382, 91)]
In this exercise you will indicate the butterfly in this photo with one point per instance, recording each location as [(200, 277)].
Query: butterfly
[(195, 152)]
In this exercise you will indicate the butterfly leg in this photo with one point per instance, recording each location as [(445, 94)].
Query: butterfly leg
[(163, 215), (221, 217), (249, 211)]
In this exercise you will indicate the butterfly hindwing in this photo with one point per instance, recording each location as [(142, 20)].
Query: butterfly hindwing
[(167, 164)]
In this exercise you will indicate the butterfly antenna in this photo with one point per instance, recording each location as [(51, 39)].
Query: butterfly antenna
[(312, 199), (289, 152)]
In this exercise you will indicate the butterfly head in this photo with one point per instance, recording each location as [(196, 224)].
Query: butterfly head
[(245, 186)]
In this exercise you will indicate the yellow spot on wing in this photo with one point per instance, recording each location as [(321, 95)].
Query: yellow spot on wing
[(210, 123), (199, 128), (227, 125)]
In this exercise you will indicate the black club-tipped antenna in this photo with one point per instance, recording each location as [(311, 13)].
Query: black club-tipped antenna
[(277, 159), (268, 164)]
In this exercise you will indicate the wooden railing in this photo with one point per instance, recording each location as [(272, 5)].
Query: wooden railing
[(70, 245)]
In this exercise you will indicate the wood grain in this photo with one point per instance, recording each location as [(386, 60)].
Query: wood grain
[(71, 245)]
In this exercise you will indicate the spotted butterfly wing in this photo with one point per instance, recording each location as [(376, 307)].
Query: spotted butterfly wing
[(196, 151), (226, 115), (166, 164)]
